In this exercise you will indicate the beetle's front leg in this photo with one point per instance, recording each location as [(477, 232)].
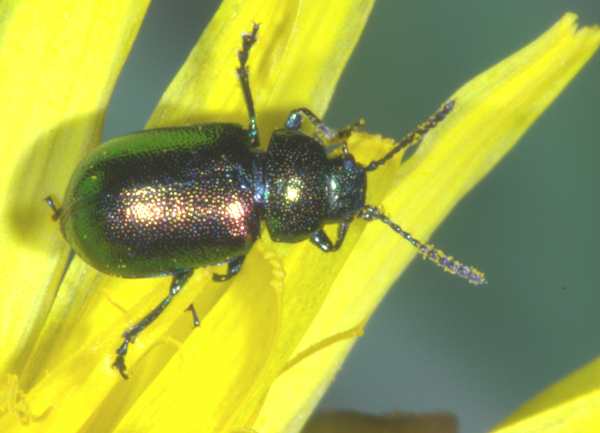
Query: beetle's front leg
[(294, 121), (321, 240)]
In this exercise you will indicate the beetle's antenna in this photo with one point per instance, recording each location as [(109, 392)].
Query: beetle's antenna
[(429, 252), (414, 137)]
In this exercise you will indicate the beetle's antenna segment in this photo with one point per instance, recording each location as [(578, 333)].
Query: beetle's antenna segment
[(248, 39), (429, 252), (414, 137)]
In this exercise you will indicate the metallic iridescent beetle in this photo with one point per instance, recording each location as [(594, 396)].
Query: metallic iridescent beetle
[(167, 201)]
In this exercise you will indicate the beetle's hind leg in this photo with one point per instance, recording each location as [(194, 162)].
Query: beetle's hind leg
[(233, 268), (129, 336), (248, 40)]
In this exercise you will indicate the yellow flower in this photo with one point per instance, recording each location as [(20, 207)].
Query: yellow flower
[(272, 338)]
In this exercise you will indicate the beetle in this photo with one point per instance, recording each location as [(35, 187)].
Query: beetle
[(166, 201)]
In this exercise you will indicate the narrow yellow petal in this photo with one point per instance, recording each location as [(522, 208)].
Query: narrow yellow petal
[(59, 61), (572, 405), (492, 112)]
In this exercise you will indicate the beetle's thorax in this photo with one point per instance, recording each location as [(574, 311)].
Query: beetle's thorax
[(298, 189)]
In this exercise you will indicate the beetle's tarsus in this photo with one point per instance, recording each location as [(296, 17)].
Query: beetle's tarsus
[(119, 364)]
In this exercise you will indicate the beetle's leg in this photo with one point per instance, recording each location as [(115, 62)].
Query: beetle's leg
[(233, 267), (248, 39), (129, 336), (195, 317), (56, 211), (321, 240), (294, 121), (414, 137)]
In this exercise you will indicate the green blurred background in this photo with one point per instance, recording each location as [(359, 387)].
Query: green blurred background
[(436, 343)]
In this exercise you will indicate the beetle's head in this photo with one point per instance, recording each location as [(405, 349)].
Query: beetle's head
[(346, 188)]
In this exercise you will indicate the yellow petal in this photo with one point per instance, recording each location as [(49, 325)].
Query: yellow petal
[(59, 61), (572, 405), (492, 112)]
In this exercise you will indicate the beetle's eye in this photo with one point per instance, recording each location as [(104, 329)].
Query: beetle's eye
[(294, 121)]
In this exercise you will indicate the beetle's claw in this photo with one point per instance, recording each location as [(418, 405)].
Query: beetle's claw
[(119, 364)]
